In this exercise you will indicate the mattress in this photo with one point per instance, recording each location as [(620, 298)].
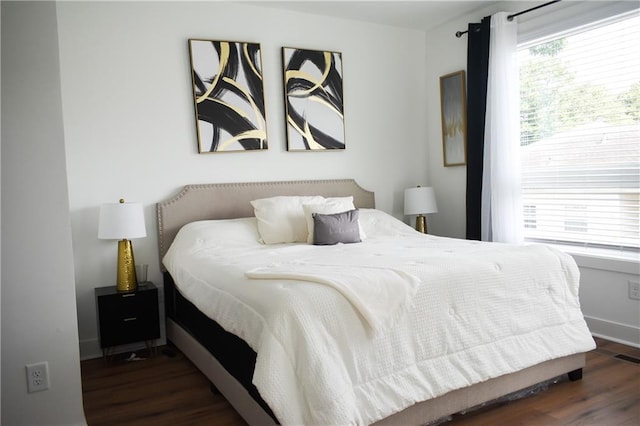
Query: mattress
[(481, 310)]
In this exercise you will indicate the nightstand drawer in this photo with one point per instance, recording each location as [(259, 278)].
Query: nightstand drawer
[(126, 305), (128, 330)]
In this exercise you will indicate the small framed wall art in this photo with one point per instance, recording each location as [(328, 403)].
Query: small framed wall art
[(228, 94), (453, 104), (314, 106)]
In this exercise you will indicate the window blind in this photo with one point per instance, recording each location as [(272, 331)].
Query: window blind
[(580, 136)]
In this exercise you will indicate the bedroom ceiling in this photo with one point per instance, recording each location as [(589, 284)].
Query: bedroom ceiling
[(417, 14)]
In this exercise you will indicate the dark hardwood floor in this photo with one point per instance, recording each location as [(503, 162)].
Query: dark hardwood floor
[(164, 390)]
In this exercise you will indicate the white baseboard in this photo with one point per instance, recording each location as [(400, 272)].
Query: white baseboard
[(616, 332), (90, 349)]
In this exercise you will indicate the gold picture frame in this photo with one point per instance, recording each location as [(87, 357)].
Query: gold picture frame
[(228, 94), (453, 107), (314, 99)]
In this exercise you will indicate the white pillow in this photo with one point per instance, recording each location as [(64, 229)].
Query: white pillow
[(327, 206), (377, 223), (212, 234), (281, 219)]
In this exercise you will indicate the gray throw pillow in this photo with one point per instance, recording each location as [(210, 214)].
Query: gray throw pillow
[(336, 228)]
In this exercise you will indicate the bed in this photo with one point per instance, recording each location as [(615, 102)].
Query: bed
[(318, 351)]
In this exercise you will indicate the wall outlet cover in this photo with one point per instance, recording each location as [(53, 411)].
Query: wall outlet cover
[(37, 377)]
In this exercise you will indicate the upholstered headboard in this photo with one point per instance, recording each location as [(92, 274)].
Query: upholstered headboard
[(232, 200)]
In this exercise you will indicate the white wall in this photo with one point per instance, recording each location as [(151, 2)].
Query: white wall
[(603, 293), (129, 116), (38, 292), (608, 310)]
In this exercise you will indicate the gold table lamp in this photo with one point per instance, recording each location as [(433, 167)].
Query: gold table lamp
[(121, 221), (419, 201)]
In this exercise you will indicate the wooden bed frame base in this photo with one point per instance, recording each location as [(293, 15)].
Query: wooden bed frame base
[(199, 202), (419, 414)]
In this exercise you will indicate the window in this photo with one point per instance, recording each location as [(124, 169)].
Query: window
[(529, 216), (580, 136), (575, 218)]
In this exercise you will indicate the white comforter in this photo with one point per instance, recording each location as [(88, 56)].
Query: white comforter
[(481, 310), (381, 295)]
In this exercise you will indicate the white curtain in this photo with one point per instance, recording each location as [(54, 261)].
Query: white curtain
[(501, 194)]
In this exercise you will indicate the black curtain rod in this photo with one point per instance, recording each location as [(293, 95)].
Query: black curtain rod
[(510, 17)]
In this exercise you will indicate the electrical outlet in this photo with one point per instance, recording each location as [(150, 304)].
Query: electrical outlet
[(37, 377), (634, 290)]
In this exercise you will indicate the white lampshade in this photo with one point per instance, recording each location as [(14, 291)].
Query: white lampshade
[(121, 221), (419, 200)]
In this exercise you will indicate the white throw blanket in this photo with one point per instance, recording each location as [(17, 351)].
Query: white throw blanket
[(381, 295), (481, 310)]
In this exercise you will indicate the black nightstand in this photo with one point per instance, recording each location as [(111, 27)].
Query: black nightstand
[(127, 317)]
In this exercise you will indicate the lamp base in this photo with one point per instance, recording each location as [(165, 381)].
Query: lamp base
[(421, 224), (127, 280)]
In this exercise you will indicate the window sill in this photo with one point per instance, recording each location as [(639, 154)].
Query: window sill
[(604, 259)]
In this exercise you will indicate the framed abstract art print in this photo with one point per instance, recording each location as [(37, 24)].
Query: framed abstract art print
[(453, 106), (314, 106), (228, 94)]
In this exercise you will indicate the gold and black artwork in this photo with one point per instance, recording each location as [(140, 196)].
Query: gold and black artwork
[(313, 99), (228, 94)]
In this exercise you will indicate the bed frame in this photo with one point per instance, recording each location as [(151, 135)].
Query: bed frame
[(232, 200)]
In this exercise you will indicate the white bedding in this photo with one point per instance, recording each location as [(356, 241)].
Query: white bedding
[(481, 310), (382, 296)]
